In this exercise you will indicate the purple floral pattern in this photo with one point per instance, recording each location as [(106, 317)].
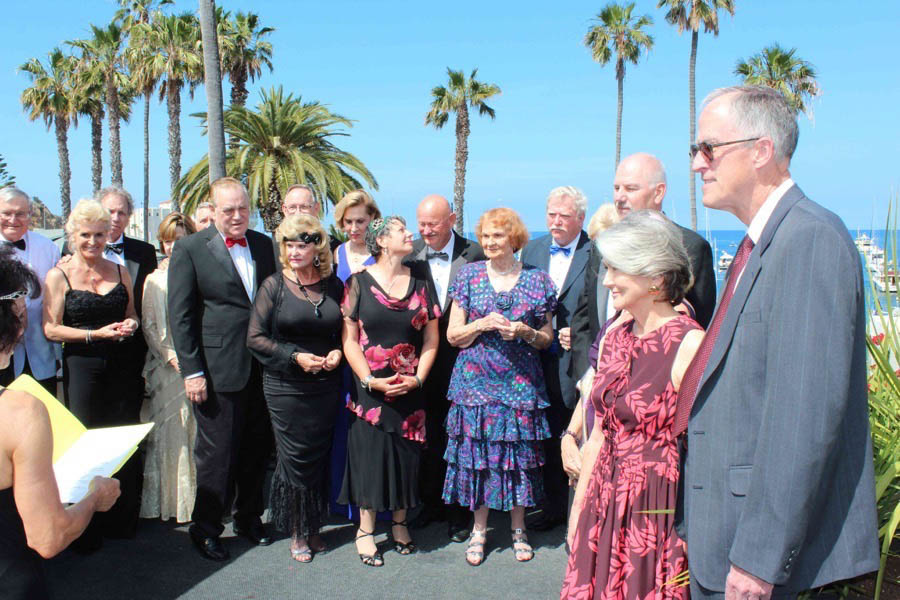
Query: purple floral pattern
[(498, 395)]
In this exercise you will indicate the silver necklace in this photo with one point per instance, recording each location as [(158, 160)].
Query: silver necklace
[(504, 273), (317, 304)]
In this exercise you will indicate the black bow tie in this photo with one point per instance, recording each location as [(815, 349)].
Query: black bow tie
[(117, 248), (441, 255), (20, 244)]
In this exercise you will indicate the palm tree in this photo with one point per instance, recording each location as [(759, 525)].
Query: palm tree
[(460, 94), (213, 83), (618, 31), (283, 142), (174, 44), (691, 14), (6, 179), (244, 52), (781, 70), (106, 50), (144, 76), (89, 101), (50, 97)]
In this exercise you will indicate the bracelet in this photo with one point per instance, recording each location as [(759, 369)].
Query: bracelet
[(294, 356), (418, 381), (87, 337), (534, 334), (569, 432), (366, 381)]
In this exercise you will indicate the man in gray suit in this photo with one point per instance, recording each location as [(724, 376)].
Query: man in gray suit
[(777, 488), (439, 254), (563, 253)]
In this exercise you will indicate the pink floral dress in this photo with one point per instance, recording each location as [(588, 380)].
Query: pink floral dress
[(625, 545), (386, 434)]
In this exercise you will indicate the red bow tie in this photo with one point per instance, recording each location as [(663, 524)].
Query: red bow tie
[(229, 242)]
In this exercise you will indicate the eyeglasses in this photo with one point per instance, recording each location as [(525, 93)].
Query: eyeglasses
[(706, 148), (14, 295)]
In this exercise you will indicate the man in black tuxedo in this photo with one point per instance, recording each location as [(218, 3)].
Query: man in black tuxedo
[(563, 253), (213, 277), (640, 184), (439, 253)]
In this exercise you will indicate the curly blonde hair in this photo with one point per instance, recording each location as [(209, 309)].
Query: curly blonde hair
[(290, 230), (87, 210)]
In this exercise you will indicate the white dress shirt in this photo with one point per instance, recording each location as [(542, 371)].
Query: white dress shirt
[(440, 269), (41, 255), (761, 218), (115, 256), (559, 264), (243, 262)]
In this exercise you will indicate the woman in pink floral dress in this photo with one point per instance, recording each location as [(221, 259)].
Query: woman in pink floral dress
[(390, 340), (621, 529)]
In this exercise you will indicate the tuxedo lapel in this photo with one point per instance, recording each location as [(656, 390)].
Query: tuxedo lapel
[(132, 265), (745, 286), (216, 246), (257, 247)]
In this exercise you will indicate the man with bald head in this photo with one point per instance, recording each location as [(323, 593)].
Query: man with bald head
[(439, 253), (300, 199), (640, 184)]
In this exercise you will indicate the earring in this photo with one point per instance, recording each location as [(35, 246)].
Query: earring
[(653, 289), (316, 261)]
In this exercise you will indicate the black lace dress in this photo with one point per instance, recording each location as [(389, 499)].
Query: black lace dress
[(303, 406)]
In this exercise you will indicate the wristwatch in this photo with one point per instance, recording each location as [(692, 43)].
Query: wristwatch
[(366, 380)]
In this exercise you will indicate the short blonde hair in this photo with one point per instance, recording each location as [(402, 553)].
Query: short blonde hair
[(169, 227), (86, 211), (355, 198), (605, 217), (292, 227), (509, 220)]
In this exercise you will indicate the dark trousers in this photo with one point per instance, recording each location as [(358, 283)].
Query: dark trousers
[(556, 481), (100, 390), (234, 442), (8, 375)]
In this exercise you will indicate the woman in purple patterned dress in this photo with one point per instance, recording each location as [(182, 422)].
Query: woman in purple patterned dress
[(390, 339), (501, 317)]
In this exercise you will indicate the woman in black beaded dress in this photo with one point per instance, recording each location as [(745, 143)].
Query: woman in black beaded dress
[(88, 307), (294, 331)]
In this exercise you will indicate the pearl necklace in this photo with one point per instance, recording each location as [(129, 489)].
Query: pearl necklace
[(506, 272)]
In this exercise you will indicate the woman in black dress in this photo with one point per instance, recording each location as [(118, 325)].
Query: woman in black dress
[(88, 306), (390, 340), (33, 521), (294, 332)]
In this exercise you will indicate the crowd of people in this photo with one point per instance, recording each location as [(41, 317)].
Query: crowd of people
[(590, 378)]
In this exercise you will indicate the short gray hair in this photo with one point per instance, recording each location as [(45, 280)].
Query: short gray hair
[(206, 204), (377, 229), (303, 186), (761, 111), (116, 190), (572, 192), (10, 193), (647, 244)]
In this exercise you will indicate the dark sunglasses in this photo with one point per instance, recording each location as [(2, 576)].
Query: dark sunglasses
[(14, 295), (706, 148)]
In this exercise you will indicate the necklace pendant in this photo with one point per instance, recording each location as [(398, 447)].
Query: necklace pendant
[(318, 312)]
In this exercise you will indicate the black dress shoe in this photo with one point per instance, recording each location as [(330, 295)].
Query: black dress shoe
[(209, 547), (254, 532), (457, 533), (546, 522), (427, 516)]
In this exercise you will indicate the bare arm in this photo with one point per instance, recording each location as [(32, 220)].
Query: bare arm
[(49, 527), (54, 306), (589, 461), (460, 333), (689, 346)]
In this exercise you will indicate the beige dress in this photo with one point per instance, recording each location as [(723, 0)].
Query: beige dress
[(170, 477)]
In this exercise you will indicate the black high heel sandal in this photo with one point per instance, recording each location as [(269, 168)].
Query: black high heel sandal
[(370, 560), (406, 548)]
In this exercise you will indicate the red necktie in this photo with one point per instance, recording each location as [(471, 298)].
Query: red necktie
[(229, 242), (688, 392)]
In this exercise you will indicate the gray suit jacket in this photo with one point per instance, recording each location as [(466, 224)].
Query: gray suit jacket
[(556, 361), (778, 474)]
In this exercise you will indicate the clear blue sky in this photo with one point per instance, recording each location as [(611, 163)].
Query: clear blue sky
[(375, 62)]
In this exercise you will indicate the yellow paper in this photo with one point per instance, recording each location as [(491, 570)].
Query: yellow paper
[(78, 453)]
